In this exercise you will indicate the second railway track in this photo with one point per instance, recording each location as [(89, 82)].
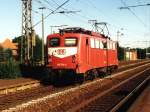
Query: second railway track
[(114, 98)]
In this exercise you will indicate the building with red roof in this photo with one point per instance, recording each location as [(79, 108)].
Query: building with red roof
[(8, 44)]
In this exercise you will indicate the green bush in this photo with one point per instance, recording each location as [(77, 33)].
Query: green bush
[(9, 70)]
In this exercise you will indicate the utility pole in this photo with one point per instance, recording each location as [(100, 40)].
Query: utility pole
[(119, 34), (42, 8)]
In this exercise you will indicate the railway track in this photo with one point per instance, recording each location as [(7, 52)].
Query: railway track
[(64, 98), (122, 63), (18, 87), (116, 98), (132, 64), (125, 103), (140, 100), (32, 84)]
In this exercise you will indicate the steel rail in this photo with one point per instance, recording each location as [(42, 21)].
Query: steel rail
[(128, 97), (18, 87), (31, 84), (68, 91), (105, 92)]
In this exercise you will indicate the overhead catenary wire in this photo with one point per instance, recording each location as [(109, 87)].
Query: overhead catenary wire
[(61, 12), (148, 4), (73, 9), (41, 3), (52, 12), (65, 11), (36, 12), (101, 12), (82, 16), (90, 3), (139, 19), (50, 4), (47, 2), (83, 19), (58, 4)]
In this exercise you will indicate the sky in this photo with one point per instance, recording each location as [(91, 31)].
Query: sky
[(134, 24)]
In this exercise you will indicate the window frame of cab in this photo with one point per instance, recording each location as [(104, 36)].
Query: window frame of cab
[(70, 38), (49, 43)]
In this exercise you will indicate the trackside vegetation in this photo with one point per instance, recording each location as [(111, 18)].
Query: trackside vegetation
[(9, 68)]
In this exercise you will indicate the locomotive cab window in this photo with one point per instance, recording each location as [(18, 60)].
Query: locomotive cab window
[(54, 42), (87, 43), (70, 41), (105, 45)]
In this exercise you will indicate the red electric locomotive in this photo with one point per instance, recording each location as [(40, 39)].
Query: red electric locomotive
[(85, 53)]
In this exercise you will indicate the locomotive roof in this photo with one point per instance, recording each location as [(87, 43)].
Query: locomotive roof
[(82, 31)]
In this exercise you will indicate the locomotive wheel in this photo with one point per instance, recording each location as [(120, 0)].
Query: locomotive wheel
[(72, 76), (53, 78), (101, 74), (80, 78), (93, 74), (109, 71)]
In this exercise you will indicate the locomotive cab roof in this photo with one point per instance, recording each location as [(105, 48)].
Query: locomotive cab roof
[(82, 31)]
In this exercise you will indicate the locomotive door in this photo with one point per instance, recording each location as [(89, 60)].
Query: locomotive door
[(87, 51), (105, 54)]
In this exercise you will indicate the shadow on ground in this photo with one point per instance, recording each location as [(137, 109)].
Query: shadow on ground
[(43, 75), (35, 72)]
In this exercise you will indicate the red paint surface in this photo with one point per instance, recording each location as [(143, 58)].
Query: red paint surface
[(86, 58)]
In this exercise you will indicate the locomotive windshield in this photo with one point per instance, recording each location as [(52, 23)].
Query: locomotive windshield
[(70, 41), (54, 42)]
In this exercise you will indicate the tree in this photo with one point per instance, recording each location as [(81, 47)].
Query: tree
[(1, 54), (18, 40), (37, 50), (9, 55), (120, 52), (141, 53)]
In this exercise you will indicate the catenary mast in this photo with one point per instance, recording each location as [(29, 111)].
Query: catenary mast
[(28, 36)]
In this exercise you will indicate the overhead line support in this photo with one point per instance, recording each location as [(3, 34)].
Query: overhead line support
[(27, 33)]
